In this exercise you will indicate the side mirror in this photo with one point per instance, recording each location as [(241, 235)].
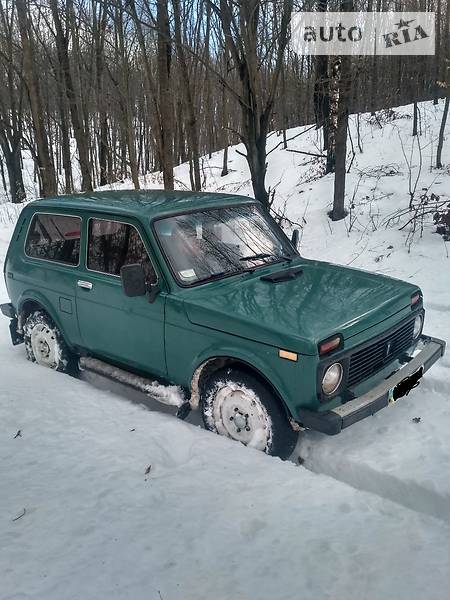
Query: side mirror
[(295, 238), (133, 283), (133, 280)]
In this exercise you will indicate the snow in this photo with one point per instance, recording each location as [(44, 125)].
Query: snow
[(212, 519), (172, 395), (367, 518)]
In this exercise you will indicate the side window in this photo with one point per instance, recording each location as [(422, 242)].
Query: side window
[(54, 237), (113, 244)]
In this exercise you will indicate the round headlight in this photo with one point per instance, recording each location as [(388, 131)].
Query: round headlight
[(418, 324), (332, 378)]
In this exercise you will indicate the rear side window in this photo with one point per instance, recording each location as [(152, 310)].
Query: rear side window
[(54, 237), (113, 244)]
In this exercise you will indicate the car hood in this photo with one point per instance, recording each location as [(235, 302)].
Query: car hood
[(324, 300)]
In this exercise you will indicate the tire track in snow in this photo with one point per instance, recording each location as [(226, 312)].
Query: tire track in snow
[(326, 459), (362, 477), (424, 495), (442, 308)]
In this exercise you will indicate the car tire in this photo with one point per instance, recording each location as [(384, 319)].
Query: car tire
[(45, 345), (240, 406)]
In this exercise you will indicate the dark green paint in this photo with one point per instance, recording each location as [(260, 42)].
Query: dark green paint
[(241, 317)]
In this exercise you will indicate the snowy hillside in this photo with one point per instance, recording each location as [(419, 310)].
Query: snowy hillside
[(392, 163), (366, 516)]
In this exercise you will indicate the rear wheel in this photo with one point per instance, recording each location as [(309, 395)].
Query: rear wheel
[(238, 405), (45, 345)]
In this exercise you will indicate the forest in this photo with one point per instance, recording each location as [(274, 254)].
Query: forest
[(97, 91)]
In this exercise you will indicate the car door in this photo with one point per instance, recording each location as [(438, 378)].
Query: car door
[(126, 330), (48, 268)]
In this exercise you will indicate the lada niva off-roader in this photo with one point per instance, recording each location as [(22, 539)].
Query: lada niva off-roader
[(205, 291)]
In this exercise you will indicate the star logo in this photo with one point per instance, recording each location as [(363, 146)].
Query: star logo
[(403, 23)]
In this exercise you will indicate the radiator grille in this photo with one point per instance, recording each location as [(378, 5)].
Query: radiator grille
[(371, 359)]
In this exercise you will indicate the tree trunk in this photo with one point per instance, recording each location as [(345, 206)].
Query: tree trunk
[(437, 54), (224, 128), (165, 95), (45, 163), (13, 166), (333, 116), (99, 27), (321, 95), (190, 107), (255, 145), (441, 132), (62, 44), (415, 118), (126, 101), (2, 175), (344, 86), (340, 173), (65, 134)]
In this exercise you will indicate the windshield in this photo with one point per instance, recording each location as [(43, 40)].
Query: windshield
[(214, 243)]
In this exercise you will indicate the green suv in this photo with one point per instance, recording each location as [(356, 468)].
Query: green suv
[(205, 291)]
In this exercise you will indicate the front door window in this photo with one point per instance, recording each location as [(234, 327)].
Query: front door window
[(113, 244)]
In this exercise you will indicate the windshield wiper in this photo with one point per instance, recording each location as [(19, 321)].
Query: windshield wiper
[(266, 255), (256, 256)]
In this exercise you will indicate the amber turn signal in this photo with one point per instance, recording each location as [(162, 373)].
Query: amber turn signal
[(288, 355)]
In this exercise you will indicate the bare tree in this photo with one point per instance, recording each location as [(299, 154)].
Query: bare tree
[(11, 111), (343, 78), (321, 98), (99, 22), (62, 44), (240, 22), (165, 92), (187, 84), (44, 160), (442, 128), (123, 86)]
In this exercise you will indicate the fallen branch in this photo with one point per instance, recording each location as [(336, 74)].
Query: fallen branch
[(303, 152), (290, 139), (21, 515)]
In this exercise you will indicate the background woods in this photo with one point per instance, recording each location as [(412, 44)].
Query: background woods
[(100, 90)]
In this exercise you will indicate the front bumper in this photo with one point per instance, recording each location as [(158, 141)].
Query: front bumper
[(333, 421)]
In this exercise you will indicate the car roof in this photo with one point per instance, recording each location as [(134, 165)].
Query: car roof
[(151, 203)]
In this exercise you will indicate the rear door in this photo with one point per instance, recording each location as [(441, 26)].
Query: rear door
[(126, 330)]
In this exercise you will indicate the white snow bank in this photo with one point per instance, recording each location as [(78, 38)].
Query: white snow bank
[(391, 453)]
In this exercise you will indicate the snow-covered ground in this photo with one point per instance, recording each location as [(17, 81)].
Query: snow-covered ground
[(369, 516), (211, 519)]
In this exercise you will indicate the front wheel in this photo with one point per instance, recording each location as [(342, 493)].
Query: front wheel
[(238, 405), (45, 345)]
